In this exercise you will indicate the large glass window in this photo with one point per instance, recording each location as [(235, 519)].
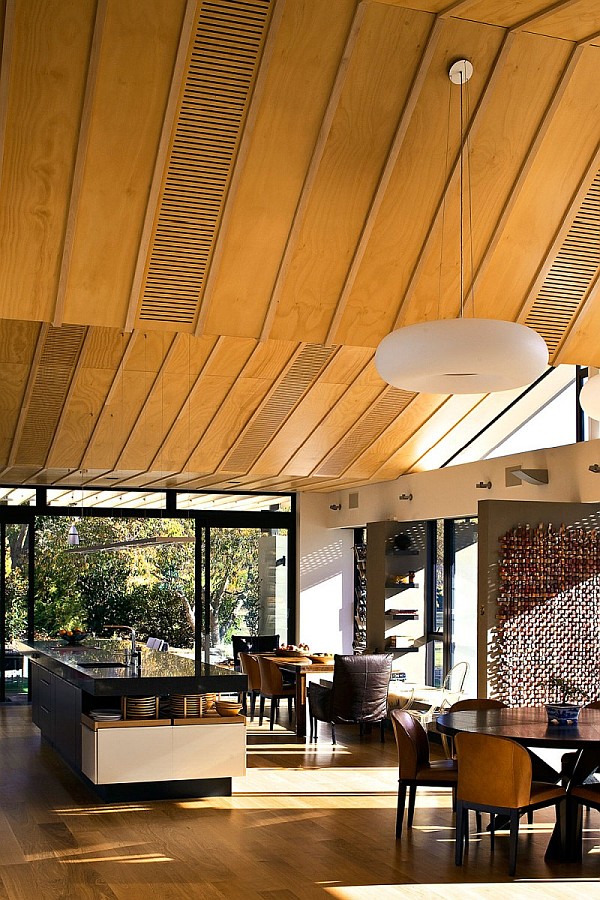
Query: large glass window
[(248, 585)]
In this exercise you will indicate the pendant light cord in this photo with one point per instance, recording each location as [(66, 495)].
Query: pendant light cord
[(462, 149)]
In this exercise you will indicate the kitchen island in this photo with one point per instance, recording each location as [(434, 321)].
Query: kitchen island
[(157, 758)]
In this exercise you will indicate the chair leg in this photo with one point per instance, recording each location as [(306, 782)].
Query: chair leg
[(400, 809), (261, 709), (252, 705), (333, 733), (460, 833), (412, 796), (243, 699), (514, 837), (273, 711), (530, 817), (290, 707), (478, 821)]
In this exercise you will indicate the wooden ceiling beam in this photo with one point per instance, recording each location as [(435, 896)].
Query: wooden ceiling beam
[(313, 170), (80, 159)]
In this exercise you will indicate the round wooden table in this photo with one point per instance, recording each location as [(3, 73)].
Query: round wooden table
[(529, 727)]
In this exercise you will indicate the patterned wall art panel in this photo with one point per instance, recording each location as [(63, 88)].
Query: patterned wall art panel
[(548, 613)]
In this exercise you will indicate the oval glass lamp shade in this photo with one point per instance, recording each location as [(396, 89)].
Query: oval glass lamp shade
[(589, 397), (461, 356)]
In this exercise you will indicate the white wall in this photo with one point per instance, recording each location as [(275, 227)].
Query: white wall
[(326, 538), (326, 580)]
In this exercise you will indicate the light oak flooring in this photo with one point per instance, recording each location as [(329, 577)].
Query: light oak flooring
[(305, 822)]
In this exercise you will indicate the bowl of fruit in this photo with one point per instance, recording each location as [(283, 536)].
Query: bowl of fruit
[(72, 635), (294, 650)]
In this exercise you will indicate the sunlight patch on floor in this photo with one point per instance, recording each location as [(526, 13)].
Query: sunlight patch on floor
[(516, 891)]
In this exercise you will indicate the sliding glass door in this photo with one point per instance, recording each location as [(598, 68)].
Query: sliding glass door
[(16, 606)]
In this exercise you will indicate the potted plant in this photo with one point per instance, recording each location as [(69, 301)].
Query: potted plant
[(565, 709)]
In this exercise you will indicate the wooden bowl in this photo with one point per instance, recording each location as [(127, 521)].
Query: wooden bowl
[(326, 659), (293, 654), (228, 709)]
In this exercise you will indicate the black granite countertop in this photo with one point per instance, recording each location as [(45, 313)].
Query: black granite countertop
[(97, 667)]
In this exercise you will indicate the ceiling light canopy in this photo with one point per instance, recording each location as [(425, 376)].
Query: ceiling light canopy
[(464, 355)]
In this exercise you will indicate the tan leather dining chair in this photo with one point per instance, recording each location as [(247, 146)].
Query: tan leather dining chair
[(494, 776), (415, 769), (249, 667), (273, 687)]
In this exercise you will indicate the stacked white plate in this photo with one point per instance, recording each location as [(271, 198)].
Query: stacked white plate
[(186, 705), (106, 715)]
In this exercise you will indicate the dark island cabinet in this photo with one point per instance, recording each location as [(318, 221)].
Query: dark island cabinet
[(56, 710)]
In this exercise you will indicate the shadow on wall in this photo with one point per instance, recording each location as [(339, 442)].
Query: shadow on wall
[(321, 565)]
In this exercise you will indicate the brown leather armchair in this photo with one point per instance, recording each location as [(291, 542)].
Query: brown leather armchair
[(495, 776), (358, 695)]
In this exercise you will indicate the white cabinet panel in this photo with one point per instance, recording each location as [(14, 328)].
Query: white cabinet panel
[(209, 751)]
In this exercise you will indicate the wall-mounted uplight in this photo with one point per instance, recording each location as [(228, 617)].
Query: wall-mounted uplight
[(595, 468), (484, 485), (335, 506), (518, 475), (405, 497)]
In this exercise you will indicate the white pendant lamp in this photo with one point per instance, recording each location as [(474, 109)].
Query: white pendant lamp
[(589, 397), (464, 355)]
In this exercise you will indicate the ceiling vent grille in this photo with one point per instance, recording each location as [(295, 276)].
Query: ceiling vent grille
[(299, 376), (222, 70), (53, 376), (570, 275), (381, 415)]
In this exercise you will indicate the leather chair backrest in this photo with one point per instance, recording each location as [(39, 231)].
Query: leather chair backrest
[(493, 771), (411, 741), (250, 667), (271, 681), (241, 643), (476, 703), (360, 687)]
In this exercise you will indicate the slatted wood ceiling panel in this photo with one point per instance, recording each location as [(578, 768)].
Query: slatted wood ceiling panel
[(571, 273), (222, 69), (297, 379), (383, 412), (58, 359)]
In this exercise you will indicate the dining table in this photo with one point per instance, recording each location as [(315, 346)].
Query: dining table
[(301, 667), (529, 727)]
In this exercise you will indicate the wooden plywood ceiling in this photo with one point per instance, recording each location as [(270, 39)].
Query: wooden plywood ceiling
[(211, 212)]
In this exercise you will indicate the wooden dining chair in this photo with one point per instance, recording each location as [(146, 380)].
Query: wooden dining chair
[(467, 704), (250, 667), (415, 769), (273, 687), (495, 776)]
